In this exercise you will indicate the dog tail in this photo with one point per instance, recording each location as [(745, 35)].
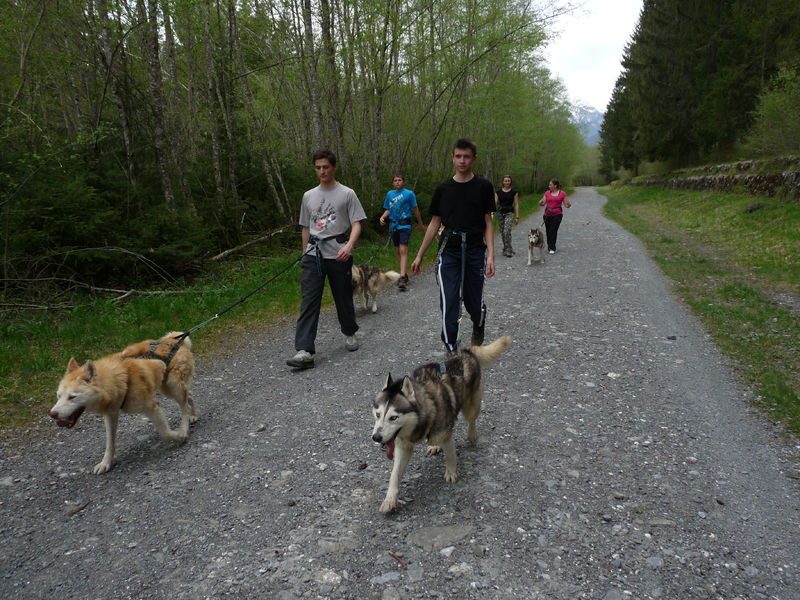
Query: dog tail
[(186, 341), (390, 276), (486, 355)]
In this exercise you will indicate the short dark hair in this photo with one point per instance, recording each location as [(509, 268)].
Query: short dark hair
[(465, 144), (324, 153), (509, 178), (396, 175), (556, 182)]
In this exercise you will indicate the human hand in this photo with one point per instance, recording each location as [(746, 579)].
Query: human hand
[(490, 266), (541, 202), (415, 266), (382, 220), (344, 252), (516, 220)]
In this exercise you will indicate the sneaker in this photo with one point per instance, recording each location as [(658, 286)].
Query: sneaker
[(302, 360), (402, 283), (478, 332), (351, 343), (552, 252)]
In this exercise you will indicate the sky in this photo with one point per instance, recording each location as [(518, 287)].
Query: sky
[(585, 49)]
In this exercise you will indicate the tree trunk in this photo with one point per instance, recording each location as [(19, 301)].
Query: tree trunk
[(310, 67), (151, 55), (214, 126)]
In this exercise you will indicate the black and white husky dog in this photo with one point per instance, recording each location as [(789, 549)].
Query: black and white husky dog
[(535, 241), (425, 406)]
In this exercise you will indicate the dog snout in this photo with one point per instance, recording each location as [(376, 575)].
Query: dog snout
[(53, 413), (377, 437)]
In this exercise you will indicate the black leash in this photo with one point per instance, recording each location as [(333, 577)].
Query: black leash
[(315, 241)]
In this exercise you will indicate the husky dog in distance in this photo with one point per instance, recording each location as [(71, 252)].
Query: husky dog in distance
[(127, 382), (425, 406), (368, 281), (535, 242)]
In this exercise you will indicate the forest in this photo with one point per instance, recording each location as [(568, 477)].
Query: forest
[(703, 82), (162, 132)]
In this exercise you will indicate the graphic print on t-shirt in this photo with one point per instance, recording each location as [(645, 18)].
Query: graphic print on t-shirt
[(324, 216)]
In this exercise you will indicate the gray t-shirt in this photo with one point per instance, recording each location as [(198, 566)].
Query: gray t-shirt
[(328, 212)]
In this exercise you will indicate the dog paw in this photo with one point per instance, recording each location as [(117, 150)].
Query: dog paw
[(101, 467), (450, 476), (433, 450), (388, 505), (193, 419), (178, 437)]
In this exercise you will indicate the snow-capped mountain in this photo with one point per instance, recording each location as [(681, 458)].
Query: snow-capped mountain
[(588, 119)]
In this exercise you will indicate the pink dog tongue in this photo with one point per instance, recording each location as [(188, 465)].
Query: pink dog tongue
[(390, 449)]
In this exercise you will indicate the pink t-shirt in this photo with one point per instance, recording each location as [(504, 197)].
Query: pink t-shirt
[(553, 202)]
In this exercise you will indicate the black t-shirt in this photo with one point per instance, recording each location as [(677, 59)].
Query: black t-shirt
[(506, 200), (462, 207)]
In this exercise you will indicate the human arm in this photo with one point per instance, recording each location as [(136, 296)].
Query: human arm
[(305, 235), (430, 233), (496, 202), (347, 250), (543, 201), (516, 208), (384, 216), (489, 237), (566, 202)]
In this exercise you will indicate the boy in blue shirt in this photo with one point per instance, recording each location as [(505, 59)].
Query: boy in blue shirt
[(399, 205)]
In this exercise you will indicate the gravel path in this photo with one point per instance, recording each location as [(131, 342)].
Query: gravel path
[(618, 458)]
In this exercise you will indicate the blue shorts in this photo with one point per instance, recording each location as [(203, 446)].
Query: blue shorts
[(400, 237)]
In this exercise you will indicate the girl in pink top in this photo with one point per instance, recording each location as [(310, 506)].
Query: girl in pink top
[(552, 200)]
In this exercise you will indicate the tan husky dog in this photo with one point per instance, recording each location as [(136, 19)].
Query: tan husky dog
[(425, 406), (123, 383), (368, 281)]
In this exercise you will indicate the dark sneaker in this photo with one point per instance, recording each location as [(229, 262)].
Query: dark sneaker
[(402, 283), (478, 332), (301, 360)]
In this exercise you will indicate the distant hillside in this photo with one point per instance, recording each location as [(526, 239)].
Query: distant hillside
[(588, 119)]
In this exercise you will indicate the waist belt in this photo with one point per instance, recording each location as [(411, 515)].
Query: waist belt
[(395, 224), (316, 241)]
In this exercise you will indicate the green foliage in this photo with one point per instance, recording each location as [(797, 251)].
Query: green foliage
[(776, 126), (692, 75), (176, 155)]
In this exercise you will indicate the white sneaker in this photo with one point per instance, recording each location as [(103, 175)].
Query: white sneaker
[(302, 360), (351, 343), (552, 252)]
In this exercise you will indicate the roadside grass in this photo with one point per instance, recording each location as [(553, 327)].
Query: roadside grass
[(735, 261)]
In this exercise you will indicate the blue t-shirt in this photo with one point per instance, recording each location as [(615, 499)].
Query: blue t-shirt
[(400, 204)]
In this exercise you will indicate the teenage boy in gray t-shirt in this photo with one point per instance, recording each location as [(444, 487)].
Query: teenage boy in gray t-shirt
[(326, 213)]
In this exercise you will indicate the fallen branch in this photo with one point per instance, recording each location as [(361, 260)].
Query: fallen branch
[(263, 238)]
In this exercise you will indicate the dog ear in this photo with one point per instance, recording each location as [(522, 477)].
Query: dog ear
[(408, 389), (72, 365), (388, 382), (91, 370)]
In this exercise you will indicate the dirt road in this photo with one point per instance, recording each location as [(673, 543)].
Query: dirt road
[(618, 458)]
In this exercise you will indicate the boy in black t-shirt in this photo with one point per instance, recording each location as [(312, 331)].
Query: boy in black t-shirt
[(464, 205)]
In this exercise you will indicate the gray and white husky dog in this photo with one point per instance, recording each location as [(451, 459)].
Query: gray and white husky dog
[(368, 281), (535, 241), (425, 406)]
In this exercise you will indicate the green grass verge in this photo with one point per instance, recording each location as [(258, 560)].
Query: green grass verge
[(738, 268)]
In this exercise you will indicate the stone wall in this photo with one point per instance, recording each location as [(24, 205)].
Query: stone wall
[(775, 177)]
